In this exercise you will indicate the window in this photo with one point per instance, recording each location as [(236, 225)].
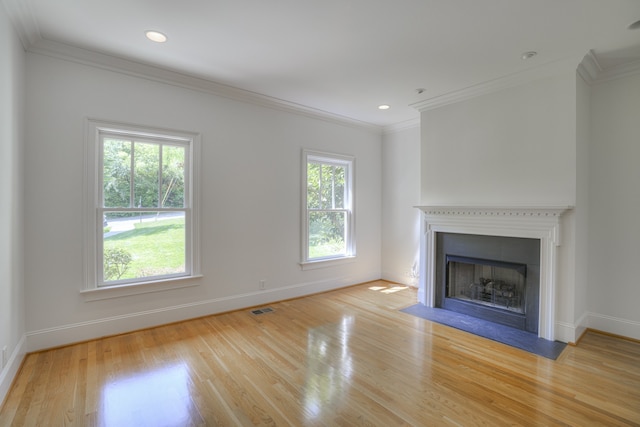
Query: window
[(142, 218), (328, 199)]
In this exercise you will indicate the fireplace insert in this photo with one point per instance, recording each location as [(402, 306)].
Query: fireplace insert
[(493, 278), (489, 283)]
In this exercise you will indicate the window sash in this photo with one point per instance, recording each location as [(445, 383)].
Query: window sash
[(100, 259), (132, 140)]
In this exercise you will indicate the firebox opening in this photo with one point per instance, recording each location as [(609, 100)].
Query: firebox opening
[(494, 278), (489, 283)]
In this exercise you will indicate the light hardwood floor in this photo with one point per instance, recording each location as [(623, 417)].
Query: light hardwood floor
[(347, 357)]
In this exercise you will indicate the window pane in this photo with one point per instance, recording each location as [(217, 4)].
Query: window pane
[(116, 176), (313, 185), (338, 184), (172, 176), (326, 187), (149, 244), (327, 234), (146, 175)]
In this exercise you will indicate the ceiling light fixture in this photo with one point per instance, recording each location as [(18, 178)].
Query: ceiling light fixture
[(528, 55), (383, 107), (156, 36)]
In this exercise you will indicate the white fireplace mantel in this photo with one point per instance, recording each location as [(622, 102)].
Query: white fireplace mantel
[(528, 222)]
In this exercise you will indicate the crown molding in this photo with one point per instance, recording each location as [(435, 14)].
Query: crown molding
[(399, 127), (619, 71), (24, 21), (180, 79), (592, 72), (512, 80), (589, 68)]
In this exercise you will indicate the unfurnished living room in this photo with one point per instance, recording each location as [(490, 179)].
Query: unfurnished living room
[(319, 213)]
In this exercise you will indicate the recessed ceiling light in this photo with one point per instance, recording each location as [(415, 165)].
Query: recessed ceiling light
[(634, 26), (383, 107), (156, 36), (528, 55)]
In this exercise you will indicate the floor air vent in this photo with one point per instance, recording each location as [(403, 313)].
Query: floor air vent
[(262, 311)]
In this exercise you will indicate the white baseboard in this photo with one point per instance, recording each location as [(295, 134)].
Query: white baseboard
[(402, 279), (11, 369), (614, 325), (83, 331), (571, 332), (565, 332)]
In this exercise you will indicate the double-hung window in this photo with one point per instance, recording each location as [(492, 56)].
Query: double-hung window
[(141, 201), (328, 201)]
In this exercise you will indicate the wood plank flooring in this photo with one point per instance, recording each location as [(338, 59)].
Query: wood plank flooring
[(343, 358)]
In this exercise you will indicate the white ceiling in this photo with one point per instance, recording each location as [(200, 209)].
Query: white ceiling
[(343, 57)]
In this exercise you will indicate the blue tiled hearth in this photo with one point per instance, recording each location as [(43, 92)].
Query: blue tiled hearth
[(504, 334)]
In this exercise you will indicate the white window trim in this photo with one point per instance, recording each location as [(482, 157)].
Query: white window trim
[(338, 159), (91, 291)]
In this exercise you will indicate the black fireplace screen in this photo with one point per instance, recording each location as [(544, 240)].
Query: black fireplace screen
[(486, 282)]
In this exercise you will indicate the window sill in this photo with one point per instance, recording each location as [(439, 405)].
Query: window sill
[(118, 291), (323, 263)]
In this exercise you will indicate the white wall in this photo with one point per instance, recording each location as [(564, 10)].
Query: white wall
[(400, 193), (614, 207), (514, 147), (250, 199), (12, 307)]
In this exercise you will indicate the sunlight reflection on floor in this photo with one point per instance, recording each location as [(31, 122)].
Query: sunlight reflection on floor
[(159, 397), (387, 289)]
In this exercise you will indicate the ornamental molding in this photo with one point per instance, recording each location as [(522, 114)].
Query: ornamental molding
[(495, 211), (592, 72)]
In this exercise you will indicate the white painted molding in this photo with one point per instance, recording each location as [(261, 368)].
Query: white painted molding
[(401, 279), (537, 222), (620, 71), (593, 73), (571, 332), (579, 327), (540, 211), (614, 325), (11, 369), (399, 127), (180, 79), (495, 85), (82, 331), (589, 69)]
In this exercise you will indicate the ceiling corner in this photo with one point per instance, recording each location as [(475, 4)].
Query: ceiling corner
[(398, 127), (589, 68), (24, 21)]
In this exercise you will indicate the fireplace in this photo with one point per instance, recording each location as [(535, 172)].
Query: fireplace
[(533, 224), (493, 278)]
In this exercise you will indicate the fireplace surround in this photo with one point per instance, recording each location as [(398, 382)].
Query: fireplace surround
[(540, 223)]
